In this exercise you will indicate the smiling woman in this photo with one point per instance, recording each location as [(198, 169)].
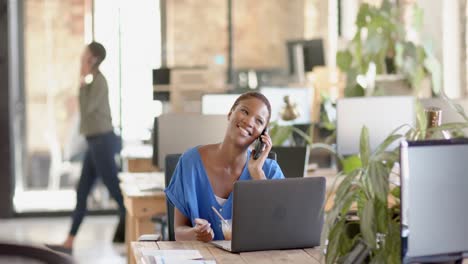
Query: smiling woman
[(205, 175)]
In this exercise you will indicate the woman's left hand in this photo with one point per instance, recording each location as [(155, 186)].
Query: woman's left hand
[(255, 166)]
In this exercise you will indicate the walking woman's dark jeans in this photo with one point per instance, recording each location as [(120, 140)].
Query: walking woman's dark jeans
[(99, 161)]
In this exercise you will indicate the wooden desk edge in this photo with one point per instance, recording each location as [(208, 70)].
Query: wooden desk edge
[(136, 247), (313, 253)]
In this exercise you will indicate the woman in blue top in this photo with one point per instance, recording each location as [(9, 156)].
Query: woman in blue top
[(205, 175)]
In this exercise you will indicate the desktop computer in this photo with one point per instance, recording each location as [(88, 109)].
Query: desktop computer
[(381, 115), (433, 200)]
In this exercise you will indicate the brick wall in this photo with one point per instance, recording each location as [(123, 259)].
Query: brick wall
[(261, 29), (197, 30)]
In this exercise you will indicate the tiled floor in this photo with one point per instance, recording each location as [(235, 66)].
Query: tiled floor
[(93, 243)]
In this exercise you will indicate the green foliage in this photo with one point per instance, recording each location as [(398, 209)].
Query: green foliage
[(281, 133), (380, 39), (364, 184)]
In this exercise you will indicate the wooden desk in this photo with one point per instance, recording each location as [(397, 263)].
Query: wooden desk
[(138, 158), (141, 206), (210, 252)]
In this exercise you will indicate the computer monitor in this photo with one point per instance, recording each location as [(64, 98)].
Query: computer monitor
[(177, 132), (302, 97), (292, 160), (433, 198), (311, 55), (217, 104), (381, 115)]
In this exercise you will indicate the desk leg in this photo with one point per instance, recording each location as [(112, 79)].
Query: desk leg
[(130, 236), (144, 226)]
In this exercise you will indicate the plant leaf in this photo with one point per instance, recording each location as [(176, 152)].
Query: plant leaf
[(280, 134), (346, 184), (368, 223), (433, 66), (344, 60), (364, 146), (393, 243), (421, 118), (361, 201), (387, 142), (449, 126), (334, 240), (378, 178), (301, 133), (354, 90), (351, 163), (381, 215), (457, 107), (396, 192), (340, 208), (390, 157)]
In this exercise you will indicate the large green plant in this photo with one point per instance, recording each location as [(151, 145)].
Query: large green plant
[(364, 185), (380, 40)]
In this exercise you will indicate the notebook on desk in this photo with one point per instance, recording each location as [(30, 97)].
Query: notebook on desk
[(276, 214)]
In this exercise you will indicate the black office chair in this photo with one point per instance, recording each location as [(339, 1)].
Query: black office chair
[(168, 219), (165, 220), (21, 253), (170, 163)]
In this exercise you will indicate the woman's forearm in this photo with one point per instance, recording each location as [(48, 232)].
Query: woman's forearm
[(257, 174), (184, 233)]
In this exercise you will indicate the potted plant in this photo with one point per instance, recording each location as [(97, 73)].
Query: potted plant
[(380, 48), (365, 191)]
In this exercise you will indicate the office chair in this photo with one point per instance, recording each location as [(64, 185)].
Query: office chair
[(18, 253), (171, 163), (168, 219)]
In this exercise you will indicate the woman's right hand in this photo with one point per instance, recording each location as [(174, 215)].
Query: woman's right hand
[(203, 230)]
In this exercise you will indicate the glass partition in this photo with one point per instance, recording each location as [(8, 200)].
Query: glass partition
[(55, 33)]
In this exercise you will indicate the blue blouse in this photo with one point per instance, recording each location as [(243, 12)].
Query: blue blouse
[(191, 193)]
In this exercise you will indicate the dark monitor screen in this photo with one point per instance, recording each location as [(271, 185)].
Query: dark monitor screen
[(312, 51)]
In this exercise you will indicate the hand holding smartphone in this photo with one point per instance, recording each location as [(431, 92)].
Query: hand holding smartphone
[(259, 146)]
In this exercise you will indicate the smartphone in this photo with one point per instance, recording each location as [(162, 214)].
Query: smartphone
[(92, 62), (259, 145)]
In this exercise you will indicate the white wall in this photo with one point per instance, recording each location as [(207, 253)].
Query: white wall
[(441, 27)]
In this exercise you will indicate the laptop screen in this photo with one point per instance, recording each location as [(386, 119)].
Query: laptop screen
[(434, 197)]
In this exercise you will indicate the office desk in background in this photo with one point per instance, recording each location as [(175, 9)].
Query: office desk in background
[(141, 205), (137, 158), (330, 176), (210, 252)]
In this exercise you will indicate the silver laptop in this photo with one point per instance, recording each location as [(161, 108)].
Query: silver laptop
[(434, 198), (276, 214)]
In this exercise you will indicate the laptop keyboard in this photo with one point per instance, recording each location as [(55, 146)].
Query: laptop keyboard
[(225, 244)]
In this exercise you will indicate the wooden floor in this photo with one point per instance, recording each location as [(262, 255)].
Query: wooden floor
[(93, 243)]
